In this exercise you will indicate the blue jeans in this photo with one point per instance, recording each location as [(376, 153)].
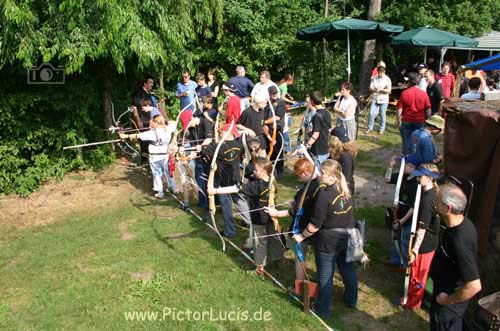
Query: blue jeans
[(226, 204), (288, 146), (321, 158), (200, 172), (159, 168), (404, 242), (406, 130), (374, 110), (326, 270)]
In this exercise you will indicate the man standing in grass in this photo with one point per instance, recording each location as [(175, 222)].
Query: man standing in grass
[(413, 108), (454, 269)]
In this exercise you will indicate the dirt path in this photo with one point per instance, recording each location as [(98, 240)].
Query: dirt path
[(79, 192)]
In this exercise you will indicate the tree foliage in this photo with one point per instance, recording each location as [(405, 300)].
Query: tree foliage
[(106, 45), (470, 18)]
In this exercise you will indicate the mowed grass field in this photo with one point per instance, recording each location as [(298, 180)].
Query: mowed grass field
[(137, 263)]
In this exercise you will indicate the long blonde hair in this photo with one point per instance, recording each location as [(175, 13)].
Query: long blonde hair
[(432, 167), (333, 168), (336, 148)]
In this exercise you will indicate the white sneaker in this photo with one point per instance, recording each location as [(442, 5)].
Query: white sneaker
[(159, 195)]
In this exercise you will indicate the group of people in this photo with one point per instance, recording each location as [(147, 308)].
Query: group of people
[(245, 137)]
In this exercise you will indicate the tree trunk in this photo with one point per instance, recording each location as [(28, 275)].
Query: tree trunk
[(107, 72), (369, 50), (325, 57)]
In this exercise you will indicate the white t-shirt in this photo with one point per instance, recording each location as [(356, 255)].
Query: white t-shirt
[(159, 138), (381, 83), (262, 90), (344, 106)]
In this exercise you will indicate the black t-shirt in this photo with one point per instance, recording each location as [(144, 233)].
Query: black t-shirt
[(455, 260), (250, 171), (254, 120), (407, 194), (212, 88), (202, 131), (139, 95), (257, 192), (228, 162), (322, 123), (332, 210), (428, 220), (308, 205), (347, 162), (279, 110), (435, 96)]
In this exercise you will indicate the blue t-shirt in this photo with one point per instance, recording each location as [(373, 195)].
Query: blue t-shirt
[(191, 89), (243, 86), (425, 151)]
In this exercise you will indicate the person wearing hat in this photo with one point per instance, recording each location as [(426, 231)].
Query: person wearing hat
[(413, 108), (380, 87), (279, 109), (404, 211), (233, 108), (422, 83), (425, 148), (375, 70), (426, 237), (344, 151)]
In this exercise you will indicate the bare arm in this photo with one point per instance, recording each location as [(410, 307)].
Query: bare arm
[(464, 293)]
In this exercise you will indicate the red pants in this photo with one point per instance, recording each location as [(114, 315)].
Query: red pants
[(418, 279)]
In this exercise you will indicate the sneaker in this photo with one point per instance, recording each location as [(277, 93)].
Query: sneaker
[(159, 195), (381, 133), (185, 206), (368, 131)]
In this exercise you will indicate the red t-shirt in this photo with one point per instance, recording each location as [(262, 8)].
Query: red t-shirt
[(447, 84), (233, 110), (414, 103)]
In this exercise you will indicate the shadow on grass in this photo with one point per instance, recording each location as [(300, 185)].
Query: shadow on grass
[(387, 286)]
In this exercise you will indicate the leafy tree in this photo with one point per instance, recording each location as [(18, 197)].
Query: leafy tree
[(470, 18)]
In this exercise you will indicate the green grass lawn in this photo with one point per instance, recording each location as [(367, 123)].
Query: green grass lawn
[(148, 265)]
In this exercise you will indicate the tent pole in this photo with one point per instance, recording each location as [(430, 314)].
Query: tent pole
[(443, 53), (425, 54), (348, 57)]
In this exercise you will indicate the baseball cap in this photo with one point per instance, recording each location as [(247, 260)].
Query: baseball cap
[(229, 86), (341, 133), (422, 66), (424, 172), (272, 90)]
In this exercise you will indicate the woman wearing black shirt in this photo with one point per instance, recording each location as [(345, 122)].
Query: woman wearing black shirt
[(304, 169), (317, 138), (427, 236), (332, 216), (344, 151)]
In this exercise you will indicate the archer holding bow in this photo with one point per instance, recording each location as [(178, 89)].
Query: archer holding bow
[(158, 139)]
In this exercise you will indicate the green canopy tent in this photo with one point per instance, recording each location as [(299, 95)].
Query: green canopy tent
[(348, 29), (430, 37)]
